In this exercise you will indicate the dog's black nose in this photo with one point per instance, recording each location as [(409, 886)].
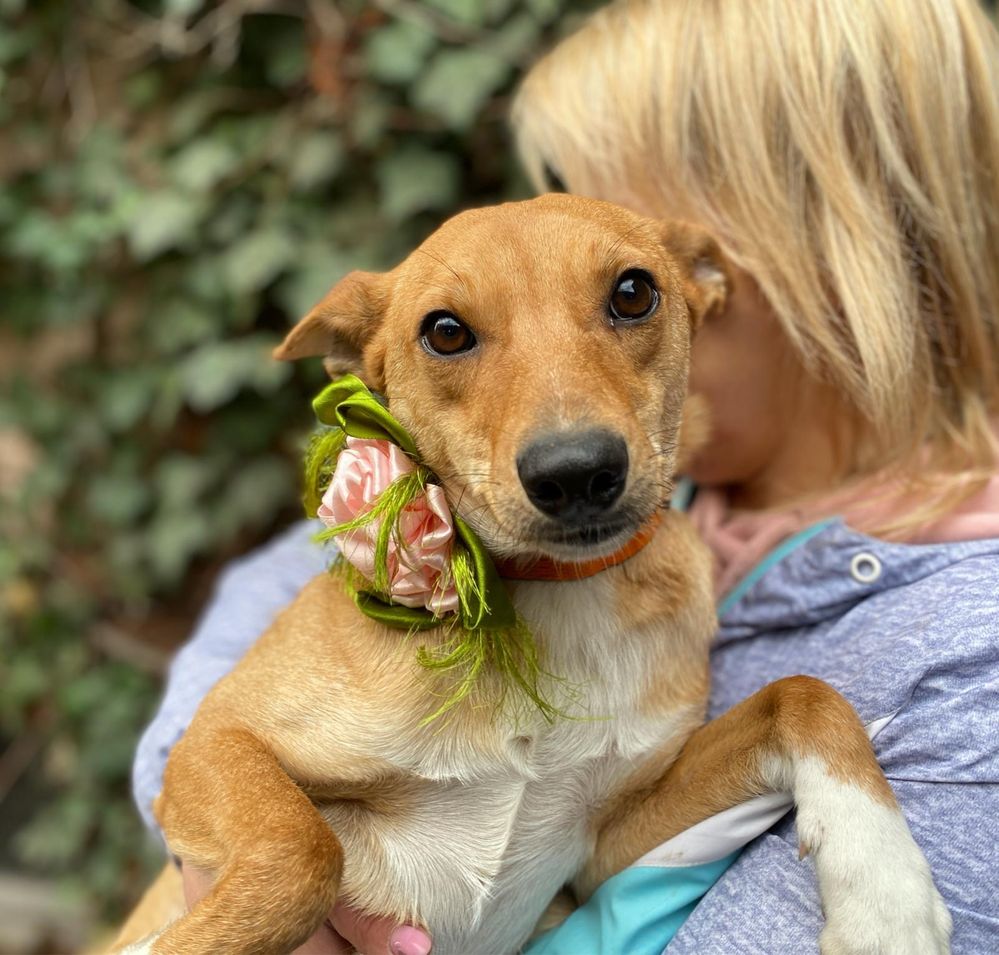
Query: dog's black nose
[(574, 477)]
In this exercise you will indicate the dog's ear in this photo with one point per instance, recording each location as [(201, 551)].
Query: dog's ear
[(340, 326), (706, 272)]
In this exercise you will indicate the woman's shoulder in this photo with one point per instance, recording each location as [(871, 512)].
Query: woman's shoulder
[(873, 618)]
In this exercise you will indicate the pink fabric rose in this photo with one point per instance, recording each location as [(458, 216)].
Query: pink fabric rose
[(419, 556)]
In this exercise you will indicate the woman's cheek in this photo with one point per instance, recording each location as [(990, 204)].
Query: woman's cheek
[(737, 393)]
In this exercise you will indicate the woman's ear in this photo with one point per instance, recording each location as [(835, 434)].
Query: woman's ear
[(340, 327), (706, 272)]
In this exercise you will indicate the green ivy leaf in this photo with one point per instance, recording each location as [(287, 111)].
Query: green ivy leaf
[(316, 271), (255, 493), (235, 215), (369, 119), (254, 137), (316, 160), (183, 8), (165, 220), (118, 500), (287, 61), (472, 12), (187, 117), (126, 397), (37, 236), (181, 480), (396, 53), (176, 323), (256, 260), (14, 44), (142, 88), (100, 175), (25, 683), (215, 373), (458, 83), (174, 538), (517, 39), (545, 10), (415, 180), (200, 166), (58, 832)]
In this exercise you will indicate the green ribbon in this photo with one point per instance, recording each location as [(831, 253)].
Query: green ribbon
[(349, 405), (483, 601)]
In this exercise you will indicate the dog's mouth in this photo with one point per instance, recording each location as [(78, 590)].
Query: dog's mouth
[(590, 541), (593, 535)]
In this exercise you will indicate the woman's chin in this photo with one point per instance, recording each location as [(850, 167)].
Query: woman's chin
[(705, 471)]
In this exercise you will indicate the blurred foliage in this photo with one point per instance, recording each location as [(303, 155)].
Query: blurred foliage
[(183, 179)]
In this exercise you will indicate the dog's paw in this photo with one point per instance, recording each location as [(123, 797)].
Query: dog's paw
[(919, 923), (877, 891), (876, 887)]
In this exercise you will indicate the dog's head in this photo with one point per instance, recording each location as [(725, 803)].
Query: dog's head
[(537, 352)]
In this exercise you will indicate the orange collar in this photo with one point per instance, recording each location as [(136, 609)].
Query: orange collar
[(546, 568)]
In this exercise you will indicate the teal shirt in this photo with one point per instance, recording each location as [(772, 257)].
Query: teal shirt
[(638, 911)]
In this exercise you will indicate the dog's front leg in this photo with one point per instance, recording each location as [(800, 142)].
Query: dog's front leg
[(797, 735), (228, 806)]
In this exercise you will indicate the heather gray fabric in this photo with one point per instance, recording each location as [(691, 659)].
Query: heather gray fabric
[(913, 632), (920, 641)]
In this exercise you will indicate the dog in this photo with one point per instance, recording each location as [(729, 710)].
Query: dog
[(537, 352)]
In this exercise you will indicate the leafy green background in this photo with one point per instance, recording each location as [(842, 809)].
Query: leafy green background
[(182, 180)]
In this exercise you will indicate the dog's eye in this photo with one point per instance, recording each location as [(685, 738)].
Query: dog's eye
[(445, 334), (634, 298)]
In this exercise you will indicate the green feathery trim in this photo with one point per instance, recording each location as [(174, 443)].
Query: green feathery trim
[(320, 463), (464, 580), (486, 636), (469, 654)]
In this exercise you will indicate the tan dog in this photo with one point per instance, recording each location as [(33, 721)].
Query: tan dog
[(538, 353)]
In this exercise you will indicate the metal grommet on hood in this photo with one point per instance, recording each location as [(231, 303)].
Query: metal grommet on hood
[(865, 568)]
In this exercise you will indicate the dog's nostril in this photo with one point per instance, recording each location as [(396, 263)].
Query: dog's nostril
[(603, 485), (549, 491)]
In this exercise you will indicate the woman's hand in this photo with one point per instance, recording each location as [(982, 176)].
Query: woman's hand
[(344, 932)]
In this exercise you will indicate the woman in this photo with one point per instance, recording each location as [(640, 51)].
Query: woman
[(845, 154)]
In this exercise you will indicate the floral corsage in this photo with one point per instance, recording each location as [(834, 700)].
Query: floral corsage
[(406, 558)]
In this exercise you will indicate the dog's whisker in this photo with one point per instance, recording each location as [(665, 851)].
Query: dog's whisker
[(443, 262)]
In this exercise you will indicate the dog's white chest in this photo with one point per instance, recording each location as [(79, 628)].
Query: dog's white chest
[(479, 860), (480, 846), (549, 837)]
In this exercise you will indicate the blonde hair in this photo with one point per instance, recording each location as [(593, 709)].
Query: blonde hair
[(844, 151)]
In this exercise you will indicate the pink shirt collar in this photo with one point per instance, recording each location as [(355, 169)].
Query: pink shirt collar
[(739, 540)]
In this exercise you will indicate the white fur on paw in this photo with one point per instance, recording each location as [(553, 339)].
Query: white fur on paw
[(876, 888)]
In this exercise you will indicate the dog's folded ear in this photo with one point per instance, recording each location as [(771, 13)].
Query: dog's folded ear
[(340, 325), (706, 271)]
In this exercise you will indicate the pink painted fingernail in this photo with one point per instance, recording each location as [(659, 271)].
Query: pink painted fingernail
[(407, 940)]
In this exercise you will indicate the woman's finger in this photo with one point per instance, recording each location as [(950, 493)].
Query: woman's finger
[(197, 882), (325, 942), (378, 936)]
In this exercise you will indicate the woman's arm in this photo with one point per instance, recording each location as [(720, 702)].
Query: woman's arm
[(250, 592)]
